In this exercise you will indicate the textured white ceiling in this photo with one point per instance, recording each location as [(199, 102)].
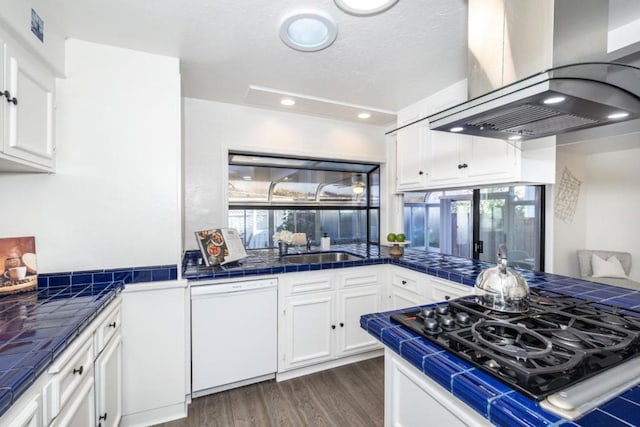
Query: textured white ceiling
[(386, 61)]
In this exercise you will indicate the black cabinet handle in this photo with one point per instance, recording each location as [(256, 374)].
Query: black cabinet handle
[(447, 297), (103, 417), (464, 165), (13, 100), (79, 370), (112, 325), (333, 326), (404, 282), (421, 173), (342, 325)]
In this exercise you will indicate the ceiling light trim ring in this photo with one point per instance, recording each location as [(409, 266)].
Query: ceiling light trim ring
[(355, 7), (292, 35)]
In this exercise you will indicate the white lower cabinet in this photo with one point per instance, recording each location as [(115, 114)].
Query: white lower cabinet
[(408, 288), (351, 304), (443, 290), (320, 315), (412, 399), (80, 410), (155, 343), (308, 327), (30, 415), (108, 373)]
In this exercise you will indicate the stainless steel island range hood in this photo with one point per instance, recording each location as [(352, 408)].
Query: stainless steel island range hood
[(511, 39), (556, 101)]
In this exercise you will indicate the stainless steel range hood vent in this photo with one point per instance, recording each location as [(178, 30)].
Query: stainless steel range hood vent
[(510, 40), (587, 95)]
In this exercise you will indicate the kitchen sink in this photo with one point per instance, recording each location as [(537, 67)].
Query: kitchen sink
[(320, 258)]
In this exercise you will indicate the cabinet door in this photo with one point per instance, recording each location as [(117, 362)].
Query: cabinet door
[(446, 165), (80, 410), (410, 163), (401, 298), (443, 290), (490, 159), (28, 130), (308, 329), (155, 334), (108, 373), (352, 304), (411, 398), (30, 416)]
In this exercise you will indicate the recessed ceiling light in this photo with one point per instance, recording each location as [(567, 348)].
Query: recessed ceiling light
[(620, 115), (457, 129), (288, 102), (364, 116), (554, 100), (308, 31), (247, 178), (515, 137), (365, 7)]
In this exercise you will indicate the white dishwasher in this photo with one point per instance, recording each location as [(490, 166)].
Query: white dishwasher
[(234, 331)]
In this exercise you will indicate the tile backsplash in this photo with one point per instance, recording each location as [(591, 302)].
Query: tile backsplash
[(125, 275)]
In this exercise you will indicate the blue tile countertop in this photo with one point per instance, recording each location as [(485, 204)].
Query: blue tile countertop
[(494, 400), (36, 327)]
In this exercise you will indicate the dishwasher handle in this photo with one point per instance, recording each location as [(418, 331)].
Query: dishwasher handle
[(232, 287)]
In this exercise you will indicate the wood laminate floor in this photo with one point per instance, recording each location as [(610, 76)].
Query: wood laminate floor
[(351, 395)]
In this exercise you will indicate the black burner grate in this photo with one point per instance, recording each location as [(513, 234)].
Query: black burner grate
[(560, 341)]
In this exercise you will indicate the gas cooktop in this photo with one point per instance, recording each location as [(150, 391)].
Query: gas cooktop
[(560, 341)]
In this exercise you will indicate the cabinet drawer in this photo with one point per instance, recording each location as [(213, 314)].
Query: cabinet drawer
[(68, 374), (307, 282), (109, 326), (406, 281), (442, 290), (360, 278)]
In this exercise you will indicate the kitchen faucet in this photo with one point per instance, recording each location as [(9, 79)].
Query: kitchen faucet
[(309, 242)]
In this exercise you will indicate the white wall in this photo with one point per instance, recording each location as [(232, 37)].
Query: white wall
[(211, 129), (114, 201), (569, 236), (613, 204), (606, 217)]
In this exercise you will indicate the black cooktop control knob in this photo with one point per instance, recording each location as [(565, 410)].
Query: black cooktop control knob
[(430, 324), (442, 310), (448, 321), (463, 318), (426, 313)]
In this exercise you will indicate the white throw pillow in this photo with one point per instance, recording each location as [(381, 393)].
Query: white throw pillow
[(608, 268)]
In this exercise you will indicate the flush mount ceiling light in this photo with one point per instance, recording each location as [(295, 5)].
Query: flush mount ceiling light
[(288, 102), (364, 116), (554, 100), (308, 31), (456, 129), (364, 7), (615, 116)]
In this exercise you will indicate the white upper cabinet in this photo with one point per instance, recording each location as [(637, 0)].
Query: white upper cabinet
[(436, 160), (26, 111), (411, 143)]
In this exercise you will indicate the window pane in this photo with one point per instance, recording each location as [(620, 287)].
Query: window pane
[(248, 191), (256, 227), (512, 216), (292, 192)]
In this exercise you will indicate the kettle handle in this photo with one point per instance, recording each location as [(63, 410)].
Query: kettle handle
[(502, 257), (502, 251)]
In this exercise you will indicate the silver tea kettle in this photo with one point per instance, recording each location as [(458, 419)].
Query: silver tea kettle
[(501, 288)]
